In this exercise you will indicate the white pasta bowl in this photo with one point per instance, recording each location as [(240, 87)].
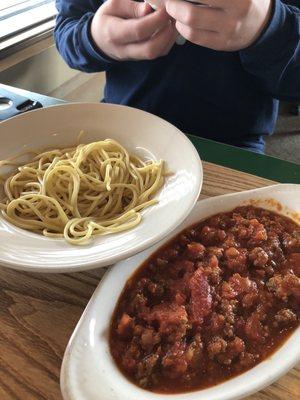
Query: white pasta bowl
[(140, 133), (88, 370)]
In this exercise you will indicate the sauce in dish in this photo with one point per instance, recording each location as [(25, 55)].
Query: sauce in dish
[(212, 303)]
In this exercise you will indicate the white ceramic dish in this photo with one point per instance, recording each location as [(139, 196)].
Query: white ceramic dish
[(141, 133), (88, 371)]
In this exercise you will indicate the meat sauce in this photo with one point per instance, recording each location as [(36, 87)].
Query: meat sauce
[(212, 303)]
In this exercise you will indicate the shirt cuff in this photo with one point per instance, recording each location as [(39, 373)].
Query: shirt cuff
[(274, 38), (91, 47)]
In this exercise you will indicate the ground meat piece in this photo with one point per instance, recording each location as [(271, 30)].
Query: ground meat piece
[(247, 360), (125, 326), (236, 346), (215, 251), (211, 236), (139, 304), (273, 240), (258, 257), (236, 286), (241, 284), (259, 233), (193, 353), (180, 267), (228, 330), (213, 263), (131, 356), (251, 231), (240, 326), (171, 319), (232, 252), (228, 308), (267, 300), (221, 235), (236, 260), (137, 330), (201, 298), (212, 270), (254, 328), (217, 322), (233, 350), (278, 256), (261, 273), (285, 316), (230, 241), (269, 270), (285, 286), (228, 291), (181, 285), (156, 289), (250, 299), (216, 346), (195, 251), (291, 243), (263, 308), (145, 367), (149, 338), (143, 283), (174, 362)]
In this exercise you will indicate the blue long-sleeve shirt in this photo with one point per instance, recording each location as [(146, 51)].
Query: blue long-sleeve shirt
[(230, 97)]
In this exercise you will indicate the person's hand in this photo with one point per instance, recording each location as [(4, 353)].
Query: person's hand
[(227, 25), (127, 30)]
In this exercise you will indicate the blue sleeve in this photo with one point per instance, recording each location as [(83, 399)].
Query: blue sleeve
[(275, 57), (72, 35)]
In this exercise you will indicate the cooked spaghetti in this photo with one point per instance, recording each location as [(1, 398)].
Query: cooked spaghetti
[(95, 188)]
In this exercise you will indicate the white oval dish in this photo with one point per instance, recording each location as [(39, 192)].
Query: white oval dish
[(88, 370), (141, 133)]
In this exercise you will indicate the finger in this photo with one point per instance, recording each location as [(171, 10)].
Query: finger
[(154, 47), (196, 17), (137, 30), (200, 37), (126, 8), (170, 45)]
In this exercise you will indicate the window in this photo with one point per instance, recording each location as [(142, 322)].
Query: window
[(23, 20)]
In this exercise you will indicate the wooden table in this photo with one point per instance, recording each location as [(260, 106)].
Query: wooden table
[(38, 312)]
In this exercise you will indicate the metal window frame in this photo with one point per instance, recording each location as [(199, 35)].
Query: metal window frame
[(21, 29)]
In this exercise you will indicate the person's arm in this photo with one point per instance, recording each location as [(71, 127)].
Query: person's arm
[(91, 37), (73, 38), (275, 57), (266, 33)]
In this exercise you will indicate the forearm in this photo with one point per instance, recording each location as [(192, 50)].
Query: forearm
[(275, 57), (73, 38)]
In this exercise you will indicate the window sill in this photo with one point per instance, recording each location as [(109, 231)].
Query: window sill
[(26, 49)]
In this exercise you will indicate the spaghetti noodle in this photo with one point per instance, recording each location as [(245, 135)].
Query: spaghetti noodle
[(75, 193)]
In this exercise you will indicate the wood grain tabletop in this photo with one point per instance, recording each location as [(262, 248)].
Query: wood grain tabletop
[(38, 313)]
